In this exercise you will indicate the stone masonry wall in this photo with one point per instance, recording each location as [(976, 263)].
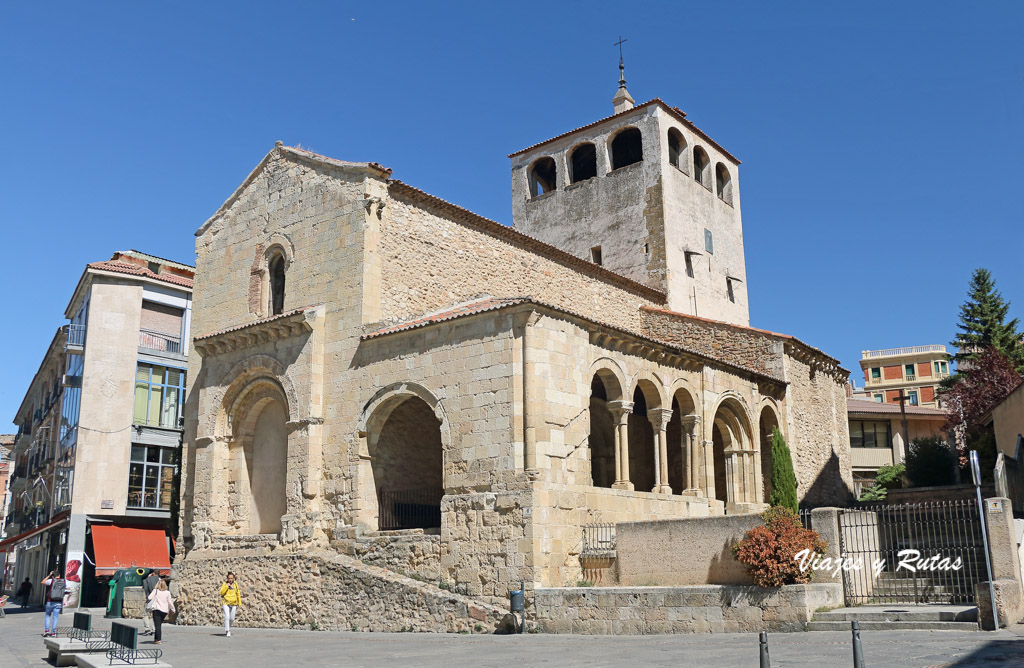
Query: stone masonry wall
[(327, 592), (431, 261), (410, 552), (707, 609)]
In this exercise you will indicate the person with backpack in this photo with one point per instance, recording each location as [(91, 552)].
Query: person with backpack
[(55, 587), (230, 598), (148, 585)]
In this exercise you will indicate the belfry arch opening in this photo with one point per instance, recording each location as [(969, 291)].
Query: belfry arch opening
[(701, 164), (627, 148), (542, 176), (723, 183), (583, 163), (604, 387), (407, 463), (676, 149)]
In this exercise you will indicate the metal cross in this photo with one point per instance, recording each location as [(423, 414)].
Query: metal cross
[(619, 44)]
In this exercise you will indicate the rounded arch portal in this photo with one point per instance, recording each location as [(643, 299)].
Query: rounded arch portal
[(605, 386), (733, 453)]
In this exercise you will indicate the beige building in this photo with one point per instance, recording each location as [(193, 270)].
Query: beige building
[(100, 428), (917, 370), (371, 361), (877, 438), (1008, 423)]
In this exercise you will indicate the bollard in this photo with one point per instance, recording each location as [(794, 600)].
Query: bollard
[(858, 651), (766, 661)]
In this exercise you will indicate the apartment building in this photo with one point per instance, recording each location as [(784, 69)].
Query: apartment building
[(917, 370), (100, 429)]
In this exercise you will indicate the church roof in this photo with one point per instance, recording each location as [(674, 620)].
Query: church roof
[(675, 112)]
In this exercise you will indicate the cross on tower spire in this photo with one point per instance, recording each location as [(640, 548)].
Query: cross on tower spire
[(623, 101)]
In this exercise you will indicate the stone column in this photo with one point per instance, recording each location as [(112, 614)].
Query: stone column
[(620, 411), (692, 456), (758, 478), (659, 418), (709, 469)]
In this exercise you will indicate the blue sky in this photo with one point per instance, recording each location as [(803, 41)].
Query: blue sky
[(881, 142)]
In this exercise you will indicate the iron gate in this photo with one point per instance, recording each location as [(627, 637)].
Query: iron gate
[(883, 539)]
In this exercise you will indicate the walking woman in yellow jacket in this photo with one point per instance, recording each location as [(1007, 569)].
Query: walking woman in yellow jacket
[(230, 598)]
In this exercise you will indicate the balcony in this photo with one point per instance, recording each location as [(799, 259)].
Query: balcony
[(899, 352), (159, 342), (911, 377), (75, 344)]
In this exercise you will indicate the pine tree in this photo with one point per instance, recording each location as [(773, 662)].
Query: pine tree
[(983, 325), (783, 479)]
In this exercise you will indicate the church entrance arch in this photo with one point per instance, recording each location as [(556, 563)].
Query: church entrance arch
[(406, 454)]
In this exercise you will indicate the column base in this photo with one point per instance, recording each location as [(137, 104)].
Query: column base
[(623, 484), (662, 489), (695, 492)]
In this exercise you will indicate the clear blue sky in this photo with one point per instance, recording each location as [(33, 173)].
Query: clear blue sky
[(881, 141)]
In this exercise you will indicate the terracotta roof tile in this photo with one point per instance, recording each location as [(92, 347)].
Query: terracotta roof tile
[(255, 322), (679, 114), (470, 308), (137, 270)]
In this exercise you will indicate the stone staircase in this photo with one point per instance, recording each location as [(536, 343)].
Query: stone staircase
[(897, 617)]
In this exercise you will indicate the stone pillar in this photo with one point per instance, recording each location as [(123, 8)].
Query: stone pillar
[(692, 455), (659, 418), (709, 469), (758, 478), (620, 411)]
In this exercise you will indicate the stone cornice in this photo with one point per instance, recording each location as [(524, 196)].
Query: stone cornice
[(276, 328)]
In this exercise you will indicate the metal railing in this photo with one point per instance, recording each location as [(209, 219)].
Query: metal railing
[(893, 537), (893, 352), (598, 540), (159, 341), (124, 645), (409, 508), (76, 336), (805, 518)]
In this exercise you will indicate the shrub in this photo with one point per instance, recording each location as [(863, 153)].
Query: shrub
[(767, 551), (888, 477), (930, 462), (783, 479)]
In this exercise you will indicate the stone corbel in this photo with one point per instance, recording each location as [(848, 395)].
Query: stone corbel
[(375, 205)]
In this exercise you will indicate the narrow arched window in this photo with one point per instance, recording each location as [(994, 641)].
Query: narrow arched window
[(723, 183), (276, 270), (542, 177), (676, 148), (627, 148), (701, 162), (582, 163)]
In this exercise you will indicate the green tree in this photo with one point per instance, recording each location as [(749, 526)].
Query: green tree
[(983, 325), (783, 479), (888, 477), (930, 462)]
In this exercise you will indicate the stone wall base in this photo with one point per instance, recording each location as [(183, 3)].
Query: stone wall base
[(1009, 602), (325, 592), (693, 609)]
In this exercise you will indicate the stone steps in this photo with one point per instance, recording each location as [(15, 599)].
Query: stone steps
[(896, 617)]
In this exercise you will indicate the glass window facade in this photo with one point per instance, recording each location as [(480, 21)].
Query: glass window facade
[(865, 434), (159, 395), (151, 477)]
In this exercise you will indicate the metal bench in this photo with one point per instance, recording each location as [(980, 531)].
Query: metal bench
[(81, 629), (78, 639), (124, 646)]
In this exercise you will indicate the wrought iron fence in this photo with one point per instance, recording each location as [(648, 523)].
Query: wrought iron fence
[(912, 553), (805, 518), (598, 540), (409, 508)]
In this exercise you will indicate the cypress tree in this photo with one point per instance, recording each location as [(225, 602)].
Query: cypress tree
[(983, 325), (783, 479)]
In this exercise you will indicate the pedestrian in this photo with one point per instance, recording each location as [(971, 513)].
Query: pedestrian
[(24, 592), (55, 588), (148, 585), (230, 598), (162, 604)]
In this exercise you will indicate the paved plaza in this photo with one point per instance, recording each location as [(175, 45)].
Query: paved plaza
[(191, 647)]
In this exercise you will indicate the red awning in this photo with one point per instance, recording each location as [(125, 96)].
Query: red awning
[(129, 547)]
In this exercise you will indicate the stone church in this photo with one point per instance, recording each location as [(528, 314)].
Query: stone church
[(377, 367)]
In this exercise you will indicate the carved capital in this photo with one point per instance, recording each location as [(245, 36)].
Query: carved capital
[(620, 410), (660, 417)]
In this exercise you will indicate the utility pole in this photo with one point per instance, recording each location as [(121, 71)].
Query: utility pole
[(903, 420)]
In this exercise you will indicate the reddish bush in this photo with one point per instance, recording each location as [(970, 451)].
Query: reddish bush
[(767, 551)]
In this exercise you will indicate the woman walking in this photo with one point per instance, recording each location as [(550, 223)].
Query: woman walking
[(161, 602), (230, 598)]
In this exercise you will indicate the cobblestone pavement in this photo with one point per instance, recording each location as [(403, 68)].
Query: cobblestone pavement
[(189, 647)]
